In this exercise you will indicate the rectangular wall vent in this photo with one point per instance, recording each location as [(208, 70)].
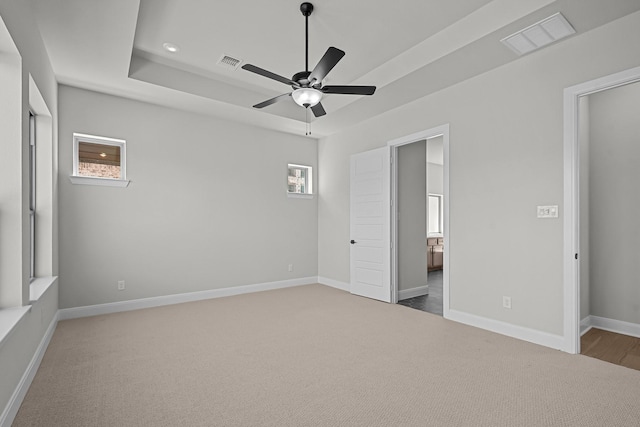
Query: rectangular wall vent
[(540, 34), (229, 62)]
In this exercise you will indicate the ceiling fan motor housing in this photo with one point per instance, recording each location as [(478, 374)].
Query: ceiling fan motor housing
[(301, 78)]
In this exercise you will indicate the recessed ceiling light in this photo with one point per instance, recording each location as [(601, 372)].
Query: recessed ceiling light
[(103, 154), (170, 47)]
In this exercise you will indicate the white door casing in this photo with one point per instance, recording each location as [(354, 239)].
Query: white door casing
[(370, 208), (572, 199)]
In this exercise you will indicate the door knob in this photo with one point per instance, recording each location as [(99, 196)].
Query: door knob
[(353, 242)]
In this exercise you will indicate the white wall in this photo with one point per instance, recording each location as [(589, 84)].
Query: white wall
[(206, 208), (614, 203), (507, 135), (20, 346), (412, 214)]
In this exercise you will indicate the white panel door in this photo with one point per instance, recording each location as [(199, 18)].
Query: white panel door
[(370, 224)]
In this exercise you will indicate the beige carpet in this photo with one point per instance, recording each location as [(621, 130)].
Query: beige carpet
[(313, 356)]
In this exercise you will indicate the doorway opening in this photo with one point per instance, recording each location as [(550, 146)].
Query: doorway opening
[(601, 161), (420, 225)]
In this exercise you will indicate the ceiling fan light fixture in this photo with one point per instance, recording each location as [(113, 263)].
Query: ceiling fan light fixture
[(306, 96)]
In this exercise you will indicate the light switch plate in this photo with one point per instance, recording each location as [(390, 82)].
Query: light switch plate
[(548, 211)]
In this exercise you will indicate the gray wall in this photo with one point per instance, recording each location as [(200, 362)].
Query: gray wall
[(435, 178), (507, 135), (18, 349), (435, 171), (615, 203), (412, 213), (206, 208), (583, 141)]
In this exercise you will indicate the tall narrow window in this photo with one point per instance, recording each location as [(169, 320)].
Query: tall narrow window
[(32, 196), (435, 213)]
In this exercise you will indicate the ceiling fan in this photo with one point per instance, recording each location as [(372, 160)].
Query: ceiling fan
[(307, 85)]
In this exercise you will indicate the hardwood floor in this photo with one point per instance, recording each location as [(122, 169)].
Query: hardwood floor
[(431, 303), (611, 347)]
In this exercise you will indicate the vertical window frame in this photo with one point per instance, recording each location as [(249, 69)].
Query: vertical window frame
[(32, 196)]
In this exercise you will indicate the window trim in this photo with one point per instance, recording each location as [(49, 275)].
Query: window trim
[(94, 180), (309, 186), (32, 196)]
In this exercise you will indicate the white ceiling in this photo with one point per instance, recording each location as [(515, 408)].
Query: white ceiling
[(407, 49)]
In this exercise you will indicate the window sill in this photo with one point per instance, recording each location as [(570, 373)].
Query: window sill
[(106, 182), (299, 196), (9, 319), (39, 286)]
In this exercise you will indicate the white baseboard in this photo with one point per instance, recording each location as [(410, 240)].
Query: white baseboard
[(334, 283), (11, 410), (413, 292), (585, 325), (612, 325), (531, 335), (115, 307)]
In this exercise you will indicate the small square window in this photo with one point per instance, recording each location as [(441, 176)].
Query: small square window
[(299, 179), (98, 157)]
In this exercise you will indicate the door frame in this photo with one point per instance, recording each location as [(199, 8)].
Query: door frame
[(442, 130), (572, 198)]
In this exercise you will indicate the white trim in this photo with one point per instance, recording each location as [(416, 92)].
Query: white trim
[(413, 292), (617, 326), (571, 198), (585, 325), (136, 304), (531, 335), (9, 319), (11, 410), (442, 130), (299, 196), (106, 182), (334, 283), (39, 286)]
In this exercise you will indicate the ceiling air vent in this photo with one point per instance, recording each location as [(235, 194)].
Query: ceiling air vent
[(540, 34), (229, 62)]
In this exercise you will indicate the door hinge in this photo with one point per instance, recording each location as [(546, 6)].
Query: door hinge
[(576, 256)]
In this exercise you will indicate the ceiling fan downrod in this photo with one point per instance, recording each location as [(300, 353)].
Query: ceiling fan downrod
[(306, 8)]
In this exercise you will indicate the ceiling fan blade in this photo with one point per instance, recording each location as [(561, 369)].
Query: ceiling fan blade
[(272, 100), (318, 110), (326, 64), (349, 90), (269, 75)]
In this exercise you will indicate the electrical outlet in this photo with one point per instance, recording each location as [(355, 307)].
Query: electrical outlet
[(506, 302), (548, 211), (290, 267), (121, 285)]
